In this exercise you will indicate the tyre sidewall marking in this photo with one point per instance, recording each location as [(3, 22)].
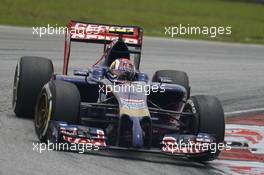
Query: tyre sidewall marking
[(17, 85), (193, 107)]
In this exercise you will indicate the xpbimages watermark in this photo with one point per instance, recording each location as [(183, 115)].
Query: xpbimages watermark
[(212, 31), (48, 30), (200, 147), (133, 88), (50, 146)]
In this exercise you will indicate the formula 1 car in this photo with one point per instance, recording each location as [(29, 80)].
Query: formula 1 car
[(157, 115)]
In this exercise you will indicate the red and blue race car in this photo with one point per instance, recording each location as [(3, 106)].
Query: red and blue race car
[(112, 104)]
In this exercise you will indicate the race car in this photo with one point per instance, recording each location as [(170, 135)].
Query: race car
[(112, 104)]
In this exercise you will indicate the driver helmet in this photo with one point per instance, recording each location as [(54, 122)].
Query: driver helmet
[(122, 69)]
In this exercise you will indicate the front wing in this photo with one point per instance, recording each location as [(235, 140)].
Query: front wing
[(172, 144)]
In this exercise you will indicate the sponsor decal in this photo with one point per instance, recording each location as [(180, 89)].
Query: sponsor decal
[(133, 103), (101, 32)]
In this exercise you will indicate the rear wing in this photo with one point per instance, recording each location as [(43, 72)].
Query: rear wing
[(77, 31)]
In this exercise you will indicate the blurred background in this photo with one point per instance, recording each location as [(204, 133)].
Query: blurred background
[(246, 17)]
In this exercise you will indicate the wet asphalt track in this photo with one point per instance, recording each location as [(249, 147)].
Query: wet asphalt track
[(232, 72)]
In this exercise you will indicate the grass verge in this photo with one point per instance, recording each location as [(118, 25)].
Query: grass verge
[(246, 19)]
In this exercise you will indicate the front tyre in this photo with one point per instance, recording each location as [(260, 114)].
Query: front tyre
[(208, 118), (58, 101)]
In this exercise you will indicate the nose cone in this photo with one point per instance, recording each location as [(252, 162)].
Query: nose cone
[(137, 137)]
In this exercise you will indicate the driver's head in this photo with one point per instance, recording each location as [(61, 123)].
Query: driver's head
[(123, 69)]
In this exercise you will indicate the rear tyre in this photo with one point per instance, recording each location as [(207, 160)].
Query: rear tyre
[(30, 75), (174, 77), (58, 101), (209, 118)]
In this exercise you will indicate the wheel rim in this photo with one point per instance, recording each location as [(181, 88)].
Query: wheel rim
[(15, 87), (42, 113)]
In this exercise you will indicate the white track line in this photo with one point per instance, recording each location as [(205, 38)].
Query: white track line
[(244, 111)]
